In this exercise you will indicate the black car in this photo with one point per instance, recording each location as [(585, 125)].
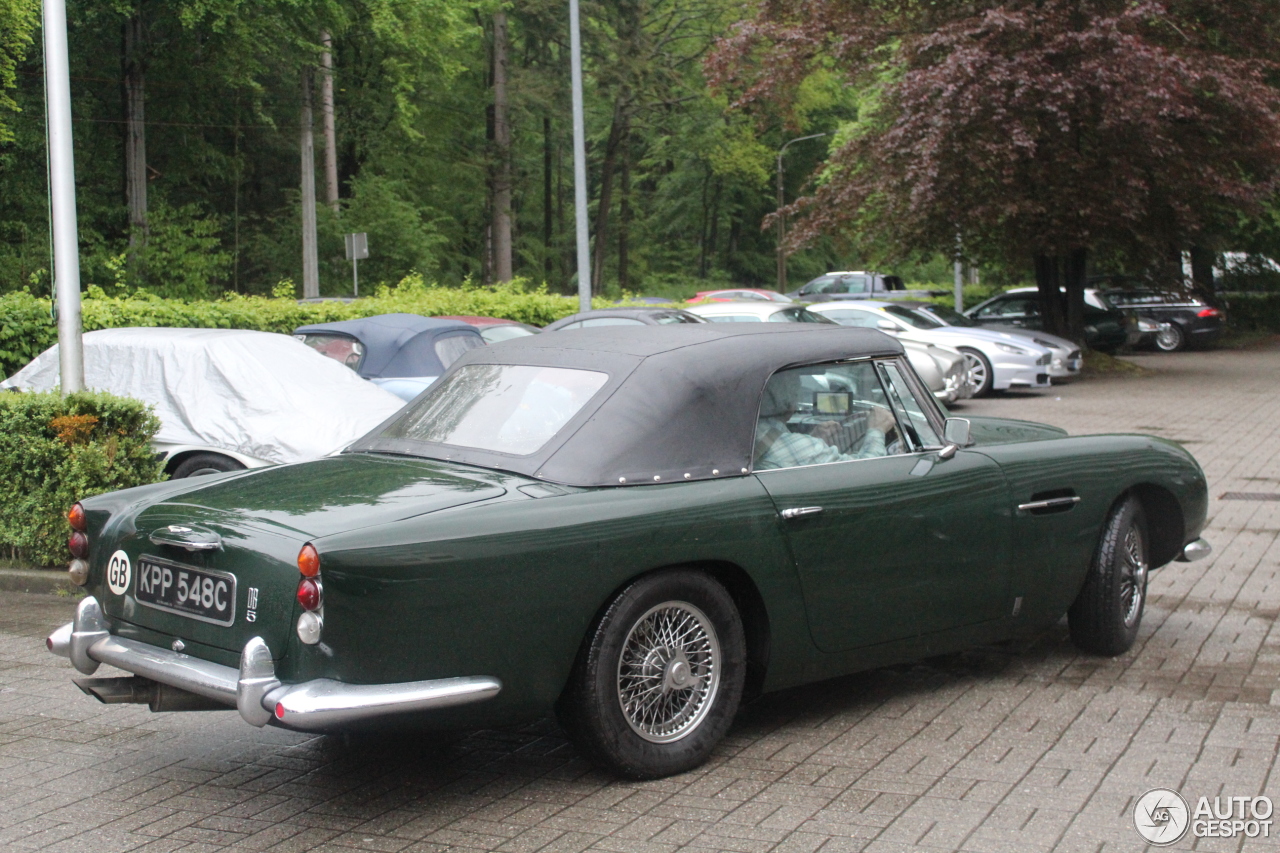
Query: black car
[(624, 317), (1106, 327), (1185, 319)]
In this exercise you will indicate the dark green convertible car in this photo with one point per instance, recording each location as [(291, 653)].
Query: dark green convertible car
[(635, 528)]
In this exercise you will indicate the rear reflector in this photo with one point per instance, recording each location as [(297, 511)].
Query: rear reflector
[(1209, 312), (279, 710)]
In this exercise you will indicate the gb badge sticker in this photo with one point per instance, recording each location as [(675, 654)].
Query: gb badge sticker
[(118, 572)]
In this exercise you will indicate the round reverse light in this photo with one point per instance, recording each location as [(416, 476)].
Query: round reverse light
[(78, 545), (76, 517), (78, 572), (309, 627), (309, 594), (309, 561)]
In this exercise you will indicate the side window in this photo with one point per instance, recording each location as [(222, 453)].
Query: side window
[(993, 309), (449, 349), (825, 413), (824, 284), (734, 318), (853, 284), (575, 325), (909, 408), (860, 319)]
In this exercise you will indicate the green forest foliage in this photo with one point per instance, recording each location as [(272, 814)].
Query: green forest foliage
[(56, 450), (690, 181)]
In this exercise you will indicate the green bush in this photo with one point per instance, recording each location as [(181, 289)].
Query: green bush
[(56, 450), (27, 328), (1254, 312)]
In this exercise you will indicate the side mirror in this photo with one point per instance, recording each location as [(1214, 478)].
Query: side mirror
[(887, 326), (956, 435)]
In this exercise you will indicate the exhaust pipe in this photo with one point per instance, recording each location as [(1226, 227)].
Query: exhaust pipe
[(136, 690)]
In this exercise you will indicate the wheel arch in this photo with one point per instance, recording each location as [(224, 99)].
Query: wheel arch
[(1165, 524), (177, 457), (746, 596)]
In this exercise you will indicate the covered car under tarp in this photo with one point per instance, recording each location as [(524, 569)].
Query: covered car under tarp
[(404, 353), (258, 394)]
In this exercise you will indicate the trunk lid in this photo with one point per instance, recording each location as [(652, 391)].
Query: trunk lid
[(260, 520)]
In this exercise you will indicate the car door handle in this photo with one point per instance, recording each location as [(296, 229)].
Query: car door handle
[(1050, 503), (800, 512)]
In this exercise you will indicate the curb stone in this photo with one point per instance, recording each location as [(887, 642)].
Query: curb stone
[(49, 581)]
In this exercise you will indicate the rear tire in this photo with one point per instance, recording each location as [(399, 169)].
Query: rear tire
[(659, 677), (980, 375), (1105, 616), (199, 464)]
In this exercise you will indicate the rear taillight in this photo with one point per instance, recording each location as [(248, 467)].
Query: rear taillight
[(1209, 312), (310, 596), (78, 545), (309, 561)]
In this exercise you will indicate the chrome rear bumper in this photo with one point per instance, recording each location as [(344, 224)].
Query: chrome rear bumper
[(254, 689)]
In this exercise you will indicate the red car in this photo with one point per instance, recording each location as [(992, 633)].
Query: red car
[(494, 329), (739, 293)]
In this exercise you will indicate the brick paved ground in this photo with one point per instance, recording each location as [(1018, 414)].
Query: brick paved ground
[(1013, 748)]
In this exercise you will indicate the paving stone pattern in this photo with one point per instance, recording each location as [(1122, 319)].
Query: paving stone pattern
[(1018, 747)]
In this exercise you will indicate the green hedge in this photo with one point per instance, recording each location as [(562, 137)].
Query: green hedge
[(55, 451), (1254, 312), (26, 327)]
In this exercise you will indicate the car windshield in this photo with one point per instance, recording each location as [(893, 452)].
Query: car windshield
[(798, 315), (948, 316), (1095, 299), (504, 408), (448, 349), (667, 319), (505, 332), (916, 319)]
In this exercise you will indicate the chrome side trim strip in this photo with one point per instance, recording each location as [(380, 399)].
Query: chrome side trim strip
[(323, 703), (1051, 503)]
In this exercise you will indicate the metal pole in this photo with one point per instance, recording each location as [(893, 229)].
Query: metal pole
[(579, 162), (355, 277), (781, 224), (62, 192), (959, 271)]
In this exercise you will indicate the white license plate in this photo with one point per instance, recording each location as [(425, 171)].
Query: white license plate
[(201, 594)]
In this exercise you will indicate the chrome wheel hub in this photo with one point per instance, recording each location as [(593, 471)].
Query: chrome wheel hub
[(1133, 582), (669, 672)]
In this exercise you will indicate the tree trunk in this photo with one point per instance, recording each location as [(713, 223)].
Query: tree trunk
[(548, 201), (1202, 270), (502, 147), (330, 128), (624, 217), (1048, 282), (310, 245), (1077, 271), (616, 131), (135, 150)]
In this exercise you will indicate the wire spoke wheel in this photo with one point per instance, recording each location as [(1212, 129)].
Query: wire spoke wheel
[(669, 672), (1133, 580)]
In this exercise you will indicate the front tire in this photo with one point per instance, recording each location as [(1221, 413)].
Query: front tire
[(1105, 616), (979, 367), (199, 464), (659, 678)]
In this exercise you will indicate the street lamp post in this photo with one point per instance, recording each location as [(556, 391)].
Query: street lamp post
[(62, 192), (781, 224), (579, 161)]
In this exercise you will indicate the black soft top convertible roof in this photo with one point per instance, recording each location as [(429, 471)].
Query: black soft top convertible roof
[(680, 403)]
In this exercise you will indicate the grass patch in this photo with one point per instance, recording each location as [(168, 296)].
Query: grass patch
[(1100, 364)]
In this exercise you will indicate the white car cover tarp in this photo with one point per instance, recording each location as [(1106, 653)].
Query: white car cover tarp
[(259, 394)]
